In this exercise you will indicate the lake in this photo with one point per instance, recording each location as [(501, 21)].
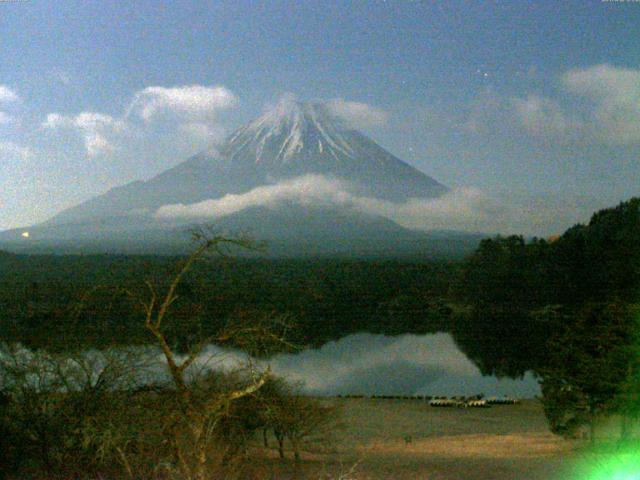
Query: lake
[(372, 364), (363, 363)]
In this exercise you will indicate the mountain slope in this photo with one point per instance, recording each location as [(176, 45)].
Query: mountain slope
[(289, 231), (297, 139)]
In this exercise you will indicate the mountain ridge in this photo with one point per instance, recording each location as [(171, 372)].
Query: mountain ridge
[(291, 141)]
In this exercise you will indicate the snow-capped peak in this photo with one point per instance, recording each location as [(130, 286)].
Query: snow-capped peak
[(287, 110), (292, 128)]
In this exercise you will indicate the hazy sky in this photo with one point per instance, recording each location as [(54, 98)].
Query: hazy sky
[(532, 103)]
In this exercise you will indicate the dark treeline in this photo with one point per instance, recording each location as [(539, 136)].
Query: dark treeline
[(566, 308), (57, 301), (520, 292)]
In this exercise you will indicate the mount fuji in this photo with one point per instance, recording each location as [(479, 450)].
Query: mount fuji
[(289, 177)]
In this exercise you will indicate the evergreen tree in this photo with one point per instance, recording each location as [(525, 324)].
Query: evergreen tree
[(588, 365)]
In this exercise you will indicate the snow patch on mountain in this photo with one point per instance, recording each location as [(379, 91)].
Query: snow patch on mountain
[(288, 124)]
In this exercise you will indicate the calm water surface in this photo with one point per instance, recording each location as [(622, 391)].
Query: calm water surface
[(402, 365), (363, 363)]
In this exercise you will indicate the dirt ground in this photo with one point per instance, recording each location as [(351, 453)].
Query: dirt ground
[(408, 439)]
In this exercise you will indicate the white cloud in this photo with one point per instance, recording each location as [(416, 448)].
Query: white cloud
[(462, 209), (466, 208), (11, 150), (356, 114), (92, 120), (189, 102), (603, 106), (96, 144), (6, 119), (61, 76), (55, 120), (184, 116), (305, 189), (97, 129), (193, 110), (8, 95), (615, 96), (202, 131), (605, 81), (541, 116)]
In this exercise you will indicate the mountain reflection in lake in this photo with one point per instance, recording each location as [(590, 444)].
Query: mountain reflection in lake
[(362, 363), (403, 365), (371, 364)]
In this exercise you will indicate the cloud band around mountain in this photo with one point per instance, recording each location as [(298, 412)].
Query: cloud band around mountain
[(463, 209)]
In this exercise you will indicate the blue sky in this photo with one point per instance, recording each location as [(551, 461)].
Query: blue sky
[(536, 104)]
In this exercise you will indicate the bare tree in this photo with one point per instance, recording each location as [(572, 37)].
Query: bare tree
[(103, 412), (59, 404), (300, 418), (198, 411)]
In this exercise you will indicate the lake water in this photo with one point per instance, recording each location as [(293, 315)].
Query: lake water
[(382, 365), (365, 364)]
